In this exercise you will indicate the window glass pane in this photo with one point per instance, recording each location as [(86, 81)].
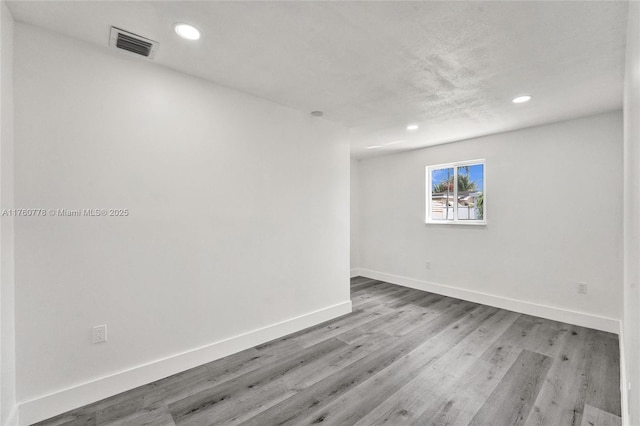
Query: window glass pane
[(442, 194), (471, 192)]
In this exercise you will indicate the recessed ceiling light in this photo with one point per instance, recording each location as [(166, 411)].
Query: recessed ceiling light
[(392, 143), (374, 147), (412, 127), (521, 99), (187, 31)]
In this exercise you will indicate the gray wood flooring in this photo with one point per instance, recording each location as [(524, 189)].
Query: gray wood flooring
[(401, 357)]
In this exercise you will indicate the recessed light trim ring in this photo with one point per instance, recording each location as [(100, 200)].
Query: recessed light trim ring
[(187, 31), (521, 99)]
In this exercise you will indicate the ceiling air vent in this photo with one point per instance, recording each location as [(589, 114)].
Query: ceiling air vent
[(133, 43)]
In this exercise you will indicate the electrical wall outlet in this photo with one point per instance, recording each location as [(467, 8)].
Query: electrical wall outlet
[(427, 264), (582, 288), (100, 333)]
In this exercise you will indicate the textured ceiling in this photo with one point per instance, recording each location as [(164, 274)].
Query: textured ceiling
[(451, 67)]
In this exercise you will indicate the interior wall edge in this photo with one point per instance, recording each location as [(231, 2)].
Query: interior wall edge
[(12, 419), (53, 404), (624, 395), (8, 407)]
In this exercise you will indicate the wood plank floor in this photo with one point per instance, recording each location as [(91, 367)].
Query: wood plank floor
[(401, 357)]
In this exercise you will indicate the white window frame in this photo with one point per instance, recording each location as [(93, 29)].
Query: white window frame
[(429, 189)]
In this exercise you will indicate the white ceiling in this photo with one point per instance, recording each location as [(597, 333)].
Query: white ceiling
[(451, 67)]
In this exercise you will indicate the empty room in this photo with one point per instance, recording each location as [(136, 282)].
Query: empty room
[(320, 212)]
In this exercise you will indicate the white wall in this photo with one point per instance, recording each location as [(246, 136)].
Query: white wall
[(534, 248), (239, 212), (631, 329), (355, 215), (7, 293)]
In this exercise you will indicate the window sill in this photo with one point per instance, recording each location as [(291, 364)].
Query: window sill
[(460, 223)]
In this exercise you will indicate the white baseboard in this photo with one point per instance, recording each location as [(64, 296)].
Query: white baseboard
[(624, 393), (355, 272), (12, 420), (554, 313), (58, 402)]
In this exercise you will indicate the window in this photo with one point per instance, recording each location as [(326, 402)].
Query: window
[(456, 193)]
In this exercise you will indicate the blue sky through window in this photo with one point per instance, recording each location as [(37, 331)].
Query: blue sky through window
[(439, 176), (475, 174)]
